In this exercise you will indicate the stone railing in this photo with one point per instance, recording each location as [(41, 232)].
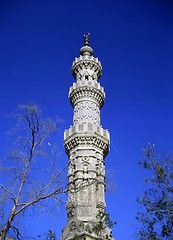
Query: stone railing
[(81, 58), (85, 84), (86, 128), (86, 92), (86, 62)]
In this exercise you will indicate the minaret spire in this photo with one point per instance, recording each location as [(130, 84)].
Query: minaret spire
[(86, 39), (86, 49), (86, 144)]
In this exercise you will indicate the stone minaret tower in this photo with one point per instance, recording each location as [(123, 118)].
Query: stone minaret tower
[(86, 144)]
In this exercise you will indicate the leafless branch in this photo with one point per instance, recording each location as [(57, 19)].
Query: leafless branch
[(7, 191)]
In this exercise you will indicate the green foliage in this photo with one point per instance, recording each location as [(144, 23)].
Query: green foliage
[(100, 227), (103, 221), (156, 215), (109, 222), (50, 235), (104, 218)]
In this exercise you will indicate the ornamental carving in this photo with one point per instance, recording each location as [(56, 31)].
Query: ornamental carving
[(99, 167), (72, 226), (84, 197), (71, 212), (84, 210), (85, 161), (95, 141), (84, 92), (86, 112), (92, 64), (72, 168)]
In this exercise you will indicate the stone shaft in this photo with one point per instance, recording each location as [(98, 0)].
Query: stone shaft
[(86, 144)]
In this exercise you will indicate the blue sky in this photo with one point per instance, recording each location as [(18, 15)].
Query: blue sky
[(134, 41)]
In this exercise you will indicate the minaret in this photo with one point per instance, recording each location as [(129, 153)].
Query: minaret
[(86, 144)]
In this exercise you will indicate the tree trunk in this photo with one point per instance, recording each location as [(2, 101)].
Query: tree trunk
[(8, 224)]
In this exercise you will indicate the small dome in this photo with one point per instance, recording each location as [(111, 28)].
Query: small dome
[(86, 50)]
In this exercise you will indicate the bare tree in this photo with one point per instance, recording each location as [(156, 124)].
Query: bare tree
[(29, 175)]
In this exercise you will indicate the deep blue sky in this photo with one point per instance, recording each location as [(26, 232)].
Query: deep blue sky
[(134, 41)]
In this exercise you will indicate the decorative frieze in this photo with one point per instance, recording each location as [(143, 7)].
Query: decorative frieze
[(84, 93), (86, 112), (95, 140), (87, 63)]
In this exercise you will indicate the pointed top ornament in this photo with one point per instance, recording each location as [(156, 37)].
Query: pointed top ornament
[(86, 39), (86, 49)]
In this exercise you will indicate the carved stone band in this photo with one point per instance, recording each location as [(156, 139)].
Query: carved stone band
[(88, 63), (86, 92), (95, 140)]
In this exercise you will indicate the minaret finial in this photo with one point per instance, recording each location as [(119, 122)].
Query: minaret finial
[(86, 39)]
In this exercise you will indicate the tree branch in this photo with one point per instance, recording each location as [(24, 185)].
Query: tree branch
[(7, 191), (58, 191)]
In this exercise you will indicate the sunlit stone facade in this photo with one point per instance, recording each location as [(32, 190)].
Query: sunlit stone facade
[(86, 144)]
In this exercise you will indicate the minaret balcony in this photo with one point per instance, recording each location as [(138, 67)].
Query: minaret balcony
[(87, 62), (87, 91), (86, 135)]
